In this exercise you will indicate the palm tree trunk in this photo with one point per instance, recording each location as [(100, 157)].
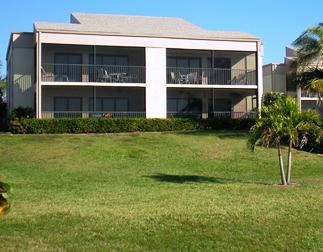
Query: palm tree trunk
[(289, 162), (281, 166)]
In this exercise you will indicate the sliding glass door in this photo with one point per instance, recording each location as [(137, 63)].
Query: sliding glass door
[(68, 67)]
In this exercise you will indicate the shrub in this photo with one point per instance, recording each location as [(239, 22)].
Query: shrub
[(273, 97), (22, 112), (228, 123), (314, 141), (101, 125)]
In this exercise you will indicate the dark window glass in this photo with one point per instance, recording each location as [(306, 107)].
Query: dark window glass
[(185, 62), (64, 105), (222, 70), (110, 60), (107, 104), (223, 105), (68, 67), (67, 104), (182, 105), (222, 63)]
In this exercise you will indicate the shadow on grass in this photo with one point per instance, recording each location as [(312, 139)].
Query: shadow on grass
[(222, 134), (181, 179)]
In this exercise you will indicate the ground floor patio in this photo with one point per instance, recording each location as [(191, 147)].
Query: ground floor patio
[(85, 102)]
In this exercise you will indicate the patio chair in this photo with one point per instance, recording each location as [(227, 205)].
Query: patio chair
[(183, 78), (47, 76), (103, 75), (204, 78), (172, 78), (125, 78), (192, 78)]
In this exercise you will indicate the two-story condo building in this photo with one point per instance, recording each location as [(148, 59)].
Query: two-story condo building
[(133, 66)]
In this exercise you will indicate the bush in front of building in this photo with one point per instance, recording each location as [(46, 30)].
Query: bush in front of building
[(21, 112), (228, 123), (102, 125)]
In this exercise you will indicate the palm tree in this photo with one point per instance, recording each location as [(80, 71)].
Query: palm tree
[(309, 60), (282, 122), (309, 47)]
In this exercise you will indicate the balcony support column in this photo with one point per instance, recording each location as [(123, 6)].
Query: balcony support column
[(94, 87), (38, 77), (156, 91), (299, 98), (259, 74)]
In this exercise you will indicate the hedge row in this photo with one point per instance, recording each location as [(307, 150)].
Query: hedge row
[(100, 125)]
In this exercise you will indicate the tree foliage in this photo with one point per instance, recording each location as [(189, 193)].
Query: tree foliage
[(309, 47), (280, 123), (271, 98), (309, 60)]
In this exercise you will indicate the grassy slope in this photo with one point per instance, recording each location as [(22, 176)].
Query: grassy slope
[(155, 191)]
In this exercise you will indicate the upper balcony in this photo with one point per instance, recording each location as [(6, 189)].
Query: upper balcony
[(204, 67), (92, 73), (86, 64)]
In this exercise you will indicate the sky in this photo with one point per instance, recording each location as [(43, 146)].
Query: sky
[(277, 22)]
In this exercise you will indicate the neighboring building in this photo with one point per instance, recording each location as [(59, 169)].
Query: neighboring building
[(279, 78), (274, 78), (131, 66)]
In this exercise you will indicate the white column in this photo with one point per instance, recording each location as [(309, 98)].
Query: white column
[(156, 100), (299, 98), (38, 82), (259, 73)]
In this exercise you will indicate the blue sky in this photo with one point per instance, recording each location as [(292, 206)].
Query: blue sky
[(277, 23)]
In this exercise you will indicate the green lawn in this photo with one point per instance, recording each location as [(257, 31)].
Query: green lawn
[(157, 192)]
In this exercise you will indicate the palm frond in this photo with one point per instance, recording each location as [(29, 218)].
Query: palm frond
[(309, 45)]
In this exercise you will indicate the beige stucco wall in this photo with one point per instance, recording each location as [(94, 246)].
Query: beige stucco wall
[(23, 77), (274, 78), (267, 78), (20, 70), (135, 96)]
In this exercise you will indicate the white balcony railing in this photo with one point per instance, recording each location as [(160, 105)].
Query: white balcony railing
[(93, 73), (215, 114), (215, 76), (91, 114)]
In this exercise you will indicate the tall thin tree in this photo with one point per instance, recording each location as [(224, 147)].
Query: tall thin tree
[(280, 122)]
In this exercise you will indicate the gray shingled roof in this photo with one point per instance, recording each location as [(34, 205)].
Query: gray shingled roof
[(138, 26)]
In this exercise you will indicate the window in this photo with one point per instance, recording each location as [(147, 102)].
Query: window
[(222, 70), (220, 63), (109, 60), (184, 65), (67, 104), (182, 105), (183, 62), (223, 105), (118, 65), (68, 67), (107, 104)]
